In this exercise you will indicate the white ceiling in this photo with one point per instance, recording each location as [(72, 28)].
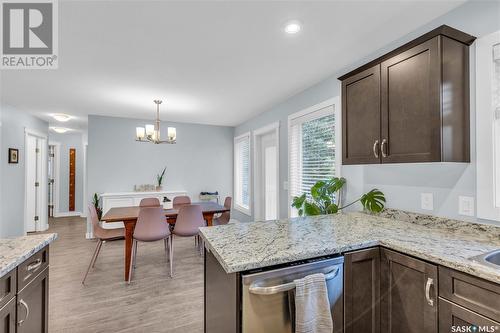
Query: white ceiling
[(211, 62)]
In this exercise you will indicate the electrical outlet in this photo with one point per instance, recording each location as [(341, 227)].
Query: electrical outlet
[(427, 201), (466, 205)]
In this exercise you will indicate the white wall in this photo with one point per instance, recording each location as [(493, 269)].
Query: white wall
[(12, 178), (202, 159), (69, 140), (403, 183)]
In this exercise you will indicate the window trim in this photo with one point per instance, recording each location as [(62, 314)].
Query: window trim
[(337, 111), (244, 210), (485, 163)]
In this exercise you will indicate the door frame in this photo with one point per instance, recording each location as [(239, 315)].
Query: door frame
[(43, 221), (271, 128), (57, 175)]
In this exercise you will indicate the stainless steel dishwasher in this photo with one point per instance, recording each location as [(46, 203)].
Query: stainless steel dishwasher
[(265, 295)]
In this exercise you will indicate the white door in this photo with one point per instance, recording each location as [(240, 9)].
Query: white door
[(35, 214), (267, 175)]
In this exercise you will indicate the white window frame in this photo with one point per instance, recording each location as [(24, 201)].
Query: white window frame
[(244, 210), (273, 127), (485, 149), (337, 111)]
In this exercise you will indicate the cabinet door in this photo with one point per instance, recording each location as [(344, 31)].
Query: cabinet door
[(8, 317), (362, 291), (361, 117), (411, 105), (409, 294), (32, 305), (453, 316)]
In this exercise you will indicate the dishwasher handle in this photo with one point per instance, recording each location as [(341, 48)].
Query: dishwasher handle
[(258, 290)]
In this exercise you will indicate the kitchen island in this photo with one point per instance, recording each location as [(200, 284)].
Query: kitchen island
[(419, 243), (24, 283)]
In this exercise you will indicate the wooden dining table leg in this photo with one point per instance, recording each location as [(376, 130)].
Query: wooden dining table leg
[(129, 231), (209, 218)]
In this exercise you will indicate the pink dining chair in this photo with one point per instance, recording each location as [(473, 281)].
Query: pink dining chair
[(189, 220), (180, 201), (226, 216), (102, 235), (150, 202), (151, 226)]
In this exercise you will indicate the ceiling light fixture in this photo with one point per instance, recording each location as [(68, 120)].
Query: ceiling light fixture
[(151, 133), (61, 117), (59, 130), (293, 27)]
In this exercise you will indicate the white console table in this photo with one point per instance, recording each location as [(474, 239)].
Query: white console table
[(126, 199)]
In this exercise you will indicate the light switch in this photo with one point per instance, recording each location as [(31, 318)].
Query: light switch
[(466, 206), (427, 201)]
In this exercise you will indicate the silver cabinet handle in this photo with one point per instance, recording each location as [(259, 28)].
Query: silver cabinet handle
[(34, 265), (257, 290), (383, 148), (375, 148), (428, 285), (23, 303)]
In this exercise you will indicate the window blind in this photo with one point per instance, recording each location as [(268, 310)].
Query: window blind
[(242, 173), (496, 120), (311, 150)]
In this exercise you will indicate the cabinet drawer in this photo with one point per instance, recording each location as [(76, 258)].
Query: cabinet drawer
[(473, 293), (30, 268), (7, 287), (454, 318), (8, 317)]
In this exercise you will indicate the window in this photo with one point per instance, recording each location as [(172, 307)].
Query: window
[(311, 150), (242, 173), (488, 126)]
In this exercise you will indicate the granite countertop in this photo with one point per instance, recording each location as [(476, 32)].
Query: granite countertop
[(245, 246), (13, 251)]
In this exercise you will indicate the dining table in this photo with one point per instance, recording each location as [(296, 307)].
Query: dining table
[(128, 215)]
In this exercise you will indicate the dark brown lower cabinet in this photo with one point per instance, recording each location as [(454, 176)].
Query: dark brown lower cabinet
[(408, 294), (8, 317), (362, 291), (455, 318), (32, 305)]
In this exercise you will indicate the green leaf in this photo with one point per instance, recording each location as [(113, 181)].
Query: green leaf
[(332, 209), (311, 209), (297, 202), (317, 191), (335, 184), (373, 201)]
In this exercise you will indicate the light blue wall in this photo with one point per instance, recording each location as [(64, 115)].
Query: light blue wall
[(402, 183), (12, 189), (202, 159), (69, 140)]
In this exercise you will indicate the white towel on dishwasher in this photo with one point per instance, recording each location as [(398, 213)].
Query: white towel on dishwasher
[(312, 307)]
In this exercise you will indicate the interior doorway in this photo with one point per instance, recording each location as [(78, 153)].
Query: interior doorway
[(53, 178), (266, 172), (35, 216)]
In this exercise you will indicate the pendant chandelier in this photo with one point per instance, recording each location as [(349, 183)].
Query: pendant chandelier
[(151, 133)]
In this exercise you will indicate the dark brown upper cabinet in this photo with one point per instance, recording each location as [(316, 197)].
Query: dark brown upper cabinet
[(410, 105)]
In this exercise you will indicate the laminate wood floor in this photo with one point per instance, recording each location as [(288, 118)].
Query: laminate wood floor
[(153, 302)]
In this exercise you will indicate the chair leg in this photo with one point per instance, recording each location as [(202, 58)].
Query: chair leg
[(98, 250), (92, 261), (196, 241), (134, 243), (135, 253), (171, 253)]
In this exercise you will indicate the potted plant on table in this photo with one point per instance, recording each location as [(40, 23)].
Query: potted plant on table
[(159, 179), (97, 205), (322, 199)]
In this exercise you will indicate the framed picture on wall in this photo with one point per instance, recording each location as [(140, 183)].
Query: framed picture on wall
[(13, 155)]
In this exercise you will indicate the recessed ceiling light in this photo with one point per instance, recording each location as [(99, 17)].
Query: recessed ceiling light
[(59, 130), (292, 27), (61, 117)]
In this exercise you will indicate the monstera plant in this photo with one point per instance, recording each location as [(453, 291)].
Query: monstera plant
[(322, 199)]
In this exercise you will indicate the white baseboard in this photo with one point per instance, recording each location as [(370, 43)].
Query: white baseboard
[(89, 235), (67, 214)]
